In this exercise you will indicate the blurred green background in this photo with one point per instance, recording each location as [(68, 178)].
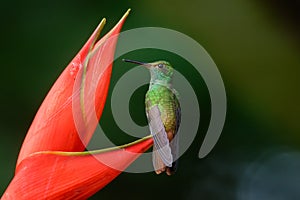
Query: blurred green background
[(255, 45)]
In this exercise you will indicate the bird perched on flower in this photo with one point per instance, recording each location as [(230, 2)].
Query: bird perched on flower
[(164, 115)]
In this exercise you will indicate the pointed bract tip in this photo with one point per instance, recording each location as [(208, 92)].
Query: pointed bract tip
[(103, 21), (126, 14), (99, 29)]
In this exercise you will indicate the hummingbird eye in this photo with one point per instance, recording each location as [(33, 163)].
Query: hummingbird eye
[(160, 65)]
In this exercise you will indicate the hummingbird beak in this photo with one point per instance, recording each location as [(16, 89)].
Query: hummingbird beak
[(147, 65)]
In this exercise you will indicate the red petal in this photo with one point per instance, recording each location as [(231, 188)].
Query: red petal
[(53, 127), (52, 176)]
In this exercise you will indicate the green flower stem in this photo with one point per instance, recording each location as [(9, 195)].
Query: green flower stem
[(63, 153)]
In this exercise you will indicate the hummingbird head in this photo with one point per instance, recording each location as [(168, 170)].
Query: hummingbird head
[(160, 71)]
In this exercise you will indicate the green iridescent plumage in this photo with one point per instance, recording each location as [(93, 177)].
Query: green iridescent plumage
[(164, 114), (167, 103)]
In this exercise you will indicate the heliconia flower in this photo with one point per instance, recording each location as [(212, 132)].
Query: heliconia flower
[(53, 127), (67, 175), (51, 162)]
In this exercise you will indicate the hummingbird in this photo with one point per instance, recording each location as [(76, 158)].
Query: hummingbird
[(164, 114)]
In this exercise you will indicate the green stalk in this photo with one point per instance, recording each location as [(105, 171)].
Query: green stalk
[(84, 153)]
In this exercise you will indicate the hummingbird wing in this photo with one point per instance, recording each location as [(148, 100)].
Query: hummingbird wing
[(158, 164), (161, 148), (175, 153)]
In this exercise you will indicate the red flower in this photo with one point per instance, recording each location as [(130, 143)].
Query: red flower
[(65, 175), (51, 164)]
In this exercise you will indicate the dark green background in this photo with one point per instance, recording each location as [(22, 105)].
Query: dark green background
[(255, 45)]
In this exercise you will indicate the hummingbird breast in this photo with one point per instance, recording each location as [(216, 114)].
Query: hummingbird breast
[(168, 105)]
